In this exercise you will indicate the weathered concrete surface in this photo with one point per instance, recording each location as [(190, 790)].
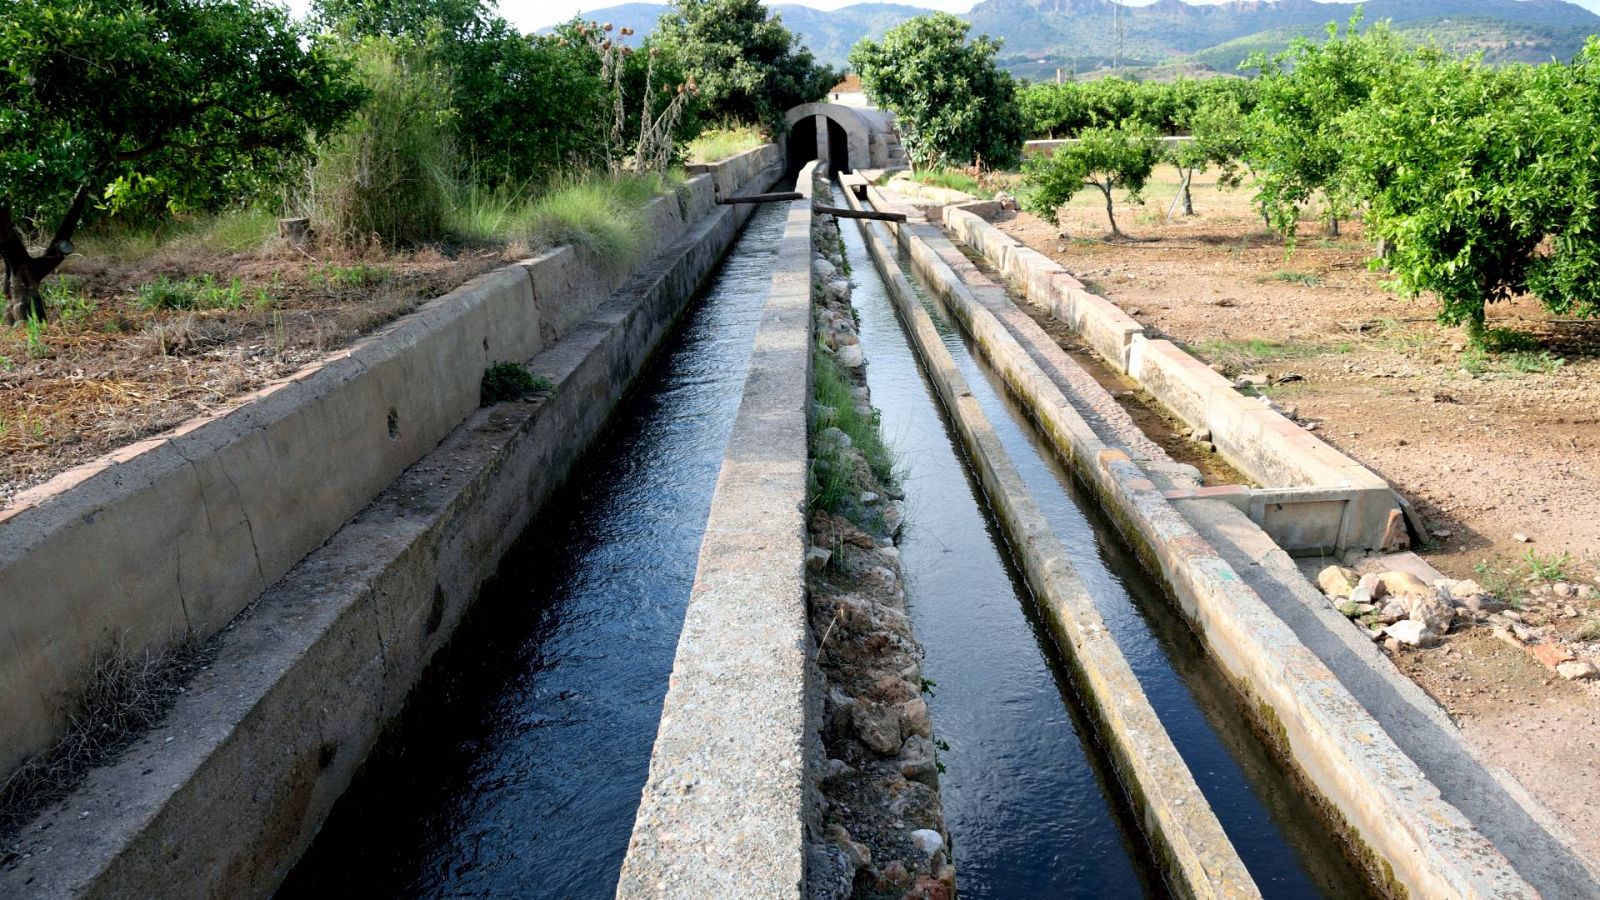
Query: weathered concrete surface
[(1177, 817), (870, 134), (1498, 806), (1258, 441), (176, 534), (1386, 803), (723, 811), (224, 796), (736, 172)]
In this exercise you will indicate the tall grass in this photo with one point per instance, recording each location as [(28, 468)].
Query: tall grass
[(835, 485), (390, 174), (601, 216), (221, 234), (950, 179), (717, 144)]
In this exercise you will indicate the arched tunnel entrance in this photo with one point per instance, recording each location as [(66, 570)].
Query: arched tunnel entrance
[(803, 144)]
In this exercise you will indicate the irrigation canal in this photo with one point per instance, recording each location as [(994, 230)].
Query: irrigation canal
[(517, 766)]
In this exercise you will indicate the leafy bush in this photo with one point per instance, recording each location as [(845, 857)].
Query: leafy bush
[(748, 67), (952, 103), (1064, 110), (390, 174), (510, 381)]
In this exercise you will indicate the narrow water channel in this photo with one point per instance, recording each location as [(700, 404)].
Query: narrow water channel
[(1030, 802), (516, 768)]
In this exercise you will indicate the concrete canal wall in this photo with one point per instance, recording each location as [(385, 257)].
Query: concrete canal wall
[(180, 534)]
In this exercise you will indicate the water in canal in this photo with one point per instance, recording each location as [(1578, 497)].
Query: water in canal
[(1031, 804), (516, 768)]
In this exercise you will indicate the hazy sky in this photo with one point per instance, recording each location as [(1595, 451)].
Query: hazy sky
[(531, 14)]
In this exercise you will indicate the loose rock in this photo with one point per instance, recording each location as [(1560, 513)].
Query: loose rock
[(1412, 633), (1337, 581), (927, 840), (1574, 669), (1403, 583)]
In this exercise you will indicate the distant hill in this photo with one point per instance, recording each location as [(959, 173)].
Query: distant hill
[(1171, 35)]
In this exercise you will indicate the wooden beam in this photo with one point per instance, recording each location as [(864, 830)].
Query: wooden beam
[(760, 198), (859, 214)]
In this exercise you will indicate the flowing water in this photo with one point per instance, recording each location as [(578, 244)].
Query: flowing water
[(516, 768), (1031, 804)]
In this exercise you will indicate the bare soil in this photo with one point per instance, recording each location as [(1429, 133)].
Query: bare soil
[(108, 372), (1497, 451)]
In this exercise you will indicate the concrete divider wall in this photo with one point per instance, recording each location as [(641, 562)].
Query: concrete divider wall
[(176, 534), (225, 794), (1412, 838), (723, 812), (1199, 857), (1258, 441)]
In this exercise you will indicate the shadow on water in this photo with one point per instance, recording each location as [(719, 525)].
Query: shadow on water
[(516, 768)]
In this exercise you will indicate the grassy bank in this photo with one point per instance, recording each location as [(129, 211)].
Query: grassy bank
[(717, 144)]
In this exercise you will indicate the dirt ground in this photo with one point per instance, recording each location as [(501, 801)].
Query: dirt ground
[(107, 371), (1496, 450)]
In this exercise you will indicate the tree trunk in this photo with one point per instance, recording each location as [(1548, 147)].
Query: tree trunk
[(1333, 226), (23, 301), (1110, 212), (1188, 198), (1477, 334), (25, 274)]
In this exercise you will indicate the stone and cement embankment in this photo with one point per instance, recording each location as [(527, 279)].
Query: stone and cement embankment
[(1393, 816), (795, 756), (1194, 849), (351, 512), (883, 832)]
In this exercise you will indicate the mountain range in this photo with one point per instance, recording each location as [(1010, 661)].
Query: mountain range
[(1079, 36)]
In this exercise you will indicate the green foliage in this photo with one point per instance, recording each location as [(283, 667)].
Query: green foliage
[(1063, 110), (1106, 158), (600, 216), (390, 174), (511, 381), (71, 304), (717, 144), (952, 103), (1298, 150), (204, 292), (747, 66), (182, 104), (953, 179), (837, 480), (1547, 568), (1485, 183), (153, 108)]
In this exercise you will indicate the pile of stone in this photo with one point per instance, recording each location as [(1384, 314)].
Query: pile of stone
[(878, 828), (1399, 608)]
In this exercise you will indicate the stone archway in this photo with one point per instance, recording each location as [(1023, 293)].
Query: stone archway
[(857, 132)]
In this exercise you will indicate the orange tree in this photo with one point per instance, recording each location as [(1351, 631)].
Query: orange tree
[(153, 104)]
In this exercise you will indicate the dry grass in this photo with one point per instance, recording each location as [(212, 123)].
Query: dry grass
[(126, 694)]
